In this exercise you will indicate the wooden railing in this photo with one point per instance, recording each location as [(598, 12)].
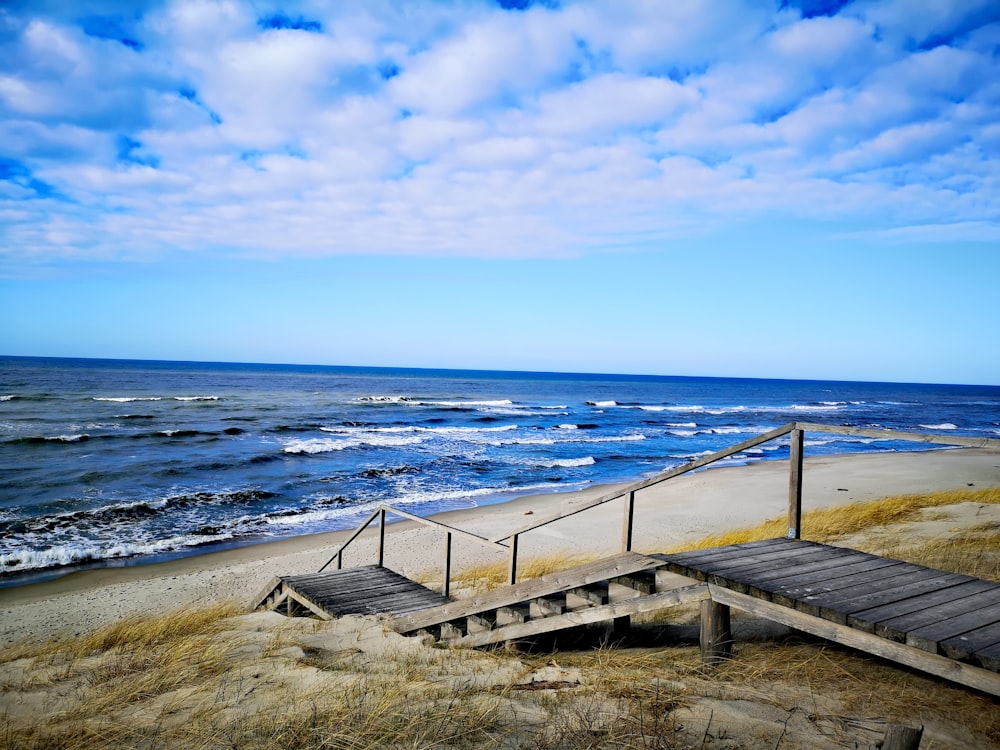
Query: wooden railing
[(380, 513), (796, 430)]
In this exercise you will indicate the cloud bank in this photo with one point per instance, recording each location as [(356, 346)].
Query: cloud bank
[(510, 129)]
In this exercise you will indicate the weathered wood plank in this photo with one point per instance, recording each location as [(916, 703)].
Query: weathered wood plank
[(893, 621), (966, 645), (989, 657), (836, 605), (734, 551), (851, 592), (929, 636), (779, 560), (963, 674), (790, 580)]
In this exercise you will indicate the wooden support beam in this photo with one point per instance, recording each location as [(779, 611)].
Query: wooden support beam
[(899, 737), (795, 485), (716, 637), (963, 674)]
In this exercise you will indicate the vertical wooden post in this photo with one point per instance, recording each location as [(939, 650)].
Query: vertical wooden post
[(512, 563), (627, 522), (381, 536), (899, 737), (340, 559), (795, 485), (446, 588), (716, 637)]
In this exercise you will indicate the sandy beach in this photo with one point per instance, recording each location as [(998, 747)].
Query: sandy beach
[(682, 509)]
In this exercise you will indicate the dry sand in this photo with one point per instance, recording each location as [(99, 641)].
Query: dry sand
[(683, 509)]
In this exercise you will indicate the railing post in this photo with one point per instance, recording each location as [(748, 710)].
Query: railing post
[(381, 536), (627, 522), (512, 564), (340, 559), (795, 485), (446, 588)]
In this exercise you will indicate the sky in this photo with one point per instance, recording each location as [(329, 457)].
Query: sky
[(747, 189)]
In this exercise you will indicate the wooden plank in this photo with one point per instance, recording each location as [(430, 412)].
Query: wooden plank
[(792, 579), (963, 674), (599, 570), (777, 560), (964, 646), (383, 604), (838, 604), (893, 621), (778, 565), (517, 631), (362, 584), (365, 595), (880, 580), (989, 657), (928, 636), (732, 551)]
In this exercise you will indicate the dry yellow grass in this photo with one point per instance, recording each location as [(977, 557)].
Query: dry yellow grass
[(827, 524)]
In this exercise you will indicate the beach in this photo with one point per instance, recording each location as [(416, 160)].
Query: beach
[(667, 515)]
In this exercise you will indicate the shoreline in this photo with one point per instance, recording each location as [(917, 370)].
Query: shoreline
[(680, 510)]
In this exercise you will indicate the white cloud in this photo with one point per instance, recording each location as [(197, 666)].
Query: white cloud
[(465, 129)]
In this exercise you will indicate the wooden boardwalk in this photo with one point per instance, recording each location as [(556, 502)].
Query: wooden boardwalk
[(941, 623)]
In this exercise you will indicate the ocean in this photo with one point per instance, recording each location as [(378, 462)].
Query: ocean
[(108, 462)]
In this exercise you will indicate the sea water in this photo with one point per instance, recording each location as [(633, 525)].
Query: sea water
[(110, 462)]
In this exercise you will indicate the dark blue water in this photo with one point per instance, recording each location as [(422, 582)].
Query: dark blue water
[(102, 461)]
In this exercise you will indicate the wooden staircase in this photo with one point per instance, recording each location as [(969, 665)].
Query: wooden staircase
[(601, 591)]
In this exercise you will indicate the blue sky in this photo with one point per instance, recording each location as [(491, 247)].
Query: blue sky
[(790, 189)]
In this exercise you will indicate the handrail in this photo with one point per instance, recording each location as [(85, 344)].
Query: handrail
[(664, 476), (796, 429), (380, 513)]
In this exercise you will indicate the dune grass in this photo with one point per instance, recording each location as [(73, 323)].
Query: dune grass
[(828, 524)]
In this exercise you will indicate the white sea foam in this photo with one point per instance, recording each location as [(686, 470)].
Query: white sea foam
[(684, 433), (327, 445), (825, 406), (568, 427), (11, 397), (944, 426), (682, 424), (126, 399), (463, 433), (602, 403), (461, 404), (567, 463), (74, 553), (196, 398)]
